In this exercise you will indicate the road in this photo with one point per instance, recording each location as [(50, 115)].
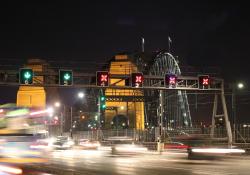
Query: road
[(90, 162)]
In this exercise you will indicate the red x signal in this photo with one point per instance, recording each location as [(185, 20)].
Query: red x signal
[(104, 77), (172, 80), (138, 79), (205, 81)]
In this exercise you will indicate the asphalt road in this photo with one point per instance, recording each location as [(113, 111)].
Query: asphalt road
[(89, 162)]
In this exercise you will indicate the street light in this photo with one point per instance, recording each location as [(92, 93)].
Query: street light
[(234, 88), (50, 110), (57, 104), (240, 85), (80, 95)]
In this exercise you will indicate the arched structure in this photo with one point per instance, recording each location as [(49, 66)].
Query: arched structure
[(176, 108)]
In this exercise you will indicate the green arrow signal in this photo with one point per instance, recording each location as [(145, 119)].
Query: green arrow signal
[(66, 76), (27, 75)]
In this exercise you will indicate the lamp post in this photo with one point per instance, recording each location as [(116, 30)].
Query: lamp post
[(57, 104), (234, 88), (80, 95)]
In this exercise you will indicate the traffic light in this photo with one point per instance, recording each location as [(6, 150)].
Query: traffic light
[(204, 81), (65, 77), (170, 80), (25, 76), (102, 78), (102, 102), (137, 79)]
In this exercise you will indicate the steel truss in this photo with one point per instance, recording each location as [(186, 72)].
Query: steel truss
[(176, 113)]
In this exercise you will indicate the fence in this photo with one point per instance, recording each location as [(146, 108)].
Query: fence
[(152, 135)]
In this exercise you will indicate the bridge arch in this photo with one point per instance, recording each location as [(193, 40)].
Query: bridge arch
[(176, 108)]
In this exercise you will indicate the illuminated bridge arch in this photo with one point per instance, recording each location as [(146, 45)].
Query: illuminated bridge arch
[(176, 107)]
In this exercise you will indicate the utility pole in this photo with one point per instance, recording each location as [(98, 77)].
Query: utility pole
[(71, 113), (234, 113)]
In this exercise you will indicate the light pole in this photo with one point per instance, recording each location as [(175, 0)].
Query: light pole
[(57, 104), (71, 113), (234, 88)]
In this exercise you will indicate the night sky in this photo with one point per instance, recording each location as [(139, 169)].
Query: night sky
[(203, 33)]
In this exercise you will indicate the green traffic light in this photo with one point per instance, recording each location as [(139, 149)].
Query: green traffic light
[(27, 75), (66, 76), (103, 106), (103, 98)]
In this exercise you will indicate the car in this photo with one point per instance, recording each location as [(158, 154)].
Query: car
[(62, 142), (210, 152), (128, 149), (88, 144), (125, 146), (175, 146)]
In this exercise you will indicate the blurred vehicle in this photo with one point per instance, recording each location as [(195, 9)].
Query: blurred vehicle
[(17, 149), (10, 169), (125, 146), (63, 142), (87, 144), (128, 149), (175, 146), (42, 141), (212, 152)]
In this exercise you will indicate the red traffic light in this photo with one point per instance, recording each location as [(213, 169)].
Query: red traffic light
[(137, 79), (204, 81), (102, 78), (170, 80)]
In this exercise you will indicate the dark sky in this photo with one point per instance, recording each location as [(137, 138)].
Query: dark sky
[(203, 33)]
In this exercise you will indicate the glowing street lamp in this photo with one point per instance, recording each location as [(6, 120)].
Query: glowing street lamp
[(57, 104), (80, 95), (50, 111), (240, 85)]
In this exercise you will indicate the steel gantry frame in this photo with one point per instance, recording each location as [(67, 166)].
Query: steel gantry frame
[(151, 82)]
